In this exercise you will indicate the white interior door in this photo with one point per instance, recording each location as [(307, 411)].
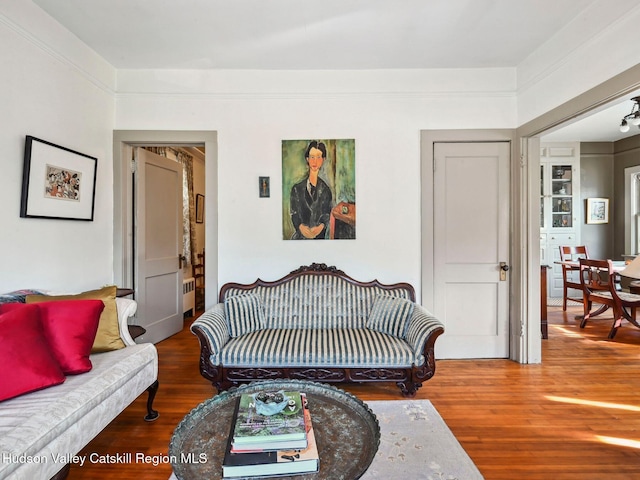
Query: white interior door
[(158, 233), (471, 239)]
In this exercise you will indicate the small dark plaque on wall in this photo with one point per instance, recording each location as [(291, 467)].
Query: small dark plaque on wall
[(264, 187)]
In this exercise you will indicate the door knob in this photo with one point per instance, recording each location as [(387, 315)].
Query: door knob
[(182, 260), (504, 268)]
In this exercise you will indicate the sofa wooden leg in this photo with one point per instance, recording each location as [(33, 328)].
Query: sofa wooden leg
[(224, 385), (151, 413), (409, 389)]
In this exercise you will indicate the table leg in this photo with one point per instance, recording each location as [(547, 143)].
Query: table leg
[(543, 302)]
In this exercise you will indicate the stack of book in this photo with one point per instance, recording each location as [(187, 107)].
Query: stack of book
[(263, 443)]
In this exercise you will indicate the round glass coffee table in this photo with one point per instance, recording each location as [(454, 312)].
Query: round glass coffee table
[(346, 431)]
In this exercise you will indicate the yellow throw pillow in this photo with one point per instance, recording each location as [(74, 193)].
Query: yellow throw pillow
[(108, 336)]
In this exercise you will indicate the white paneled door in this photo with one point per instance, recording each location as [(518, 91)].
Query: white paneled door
[(158, 245), (471, 248)]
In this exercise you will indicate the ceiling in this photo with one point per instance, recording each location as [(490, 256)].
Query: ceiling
[(313, 34), (597, 126), (323, 34)]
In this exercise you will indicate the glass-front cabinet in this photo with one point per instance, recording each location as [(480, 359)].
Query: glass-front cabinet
[(556, 196), (560, 209)]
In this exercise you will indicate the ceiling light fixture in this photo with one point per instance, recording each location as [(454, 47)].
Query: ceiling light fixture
[(633, 118)]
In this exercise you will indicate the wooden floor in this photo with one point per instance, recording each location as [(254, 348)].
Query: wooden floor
[(576, 416)]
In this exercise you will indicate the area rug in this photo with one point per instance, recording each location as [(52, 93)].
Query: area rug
[(557, 302), (416, 444)]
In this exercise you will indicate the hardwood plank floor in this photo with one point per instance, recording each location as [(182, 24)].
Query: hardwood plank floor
[(575, 416)]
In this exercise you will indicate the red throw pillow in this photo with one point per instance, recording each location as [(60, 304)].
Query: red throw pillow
[(26, 360), (70, 326)]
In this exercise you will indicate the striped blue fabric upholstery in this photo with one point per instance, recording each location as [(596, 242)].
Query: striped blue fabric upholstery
[(390, 315), (420, 327), (318, 301), (213, 324), (317, 321), (339, 347), (244, 313)]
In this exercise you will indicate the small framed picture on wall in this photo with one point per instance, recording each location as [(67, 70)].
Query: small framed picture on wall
[(199, 208), (597, 210)]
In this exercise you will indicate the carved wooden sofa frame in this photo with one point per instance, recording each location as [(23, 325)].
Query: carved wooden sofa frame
[(408, 379)]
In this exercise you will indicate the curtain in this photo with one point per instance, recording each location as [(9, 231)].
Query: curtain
[(188, 204)]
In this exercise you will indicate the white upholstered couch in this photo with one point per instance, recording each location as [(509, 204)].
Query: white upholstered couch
[(39, 431)]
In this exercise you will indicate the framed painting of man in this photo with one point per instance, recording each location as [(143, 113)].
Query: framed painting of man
[(318, 189)]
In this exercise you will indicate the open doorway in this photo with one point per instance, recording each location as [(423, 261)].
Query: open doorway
[(195, 267), (192, 252), (616, 89), (202, 146)]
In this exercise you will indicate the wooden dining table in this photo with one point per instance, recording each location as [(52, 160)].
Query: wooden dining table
[(618, 266)]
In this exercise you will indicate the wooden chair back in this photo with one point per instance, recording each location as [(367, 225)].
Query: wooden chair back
[(571, 253), (198, 276), (597, 276), (198, 270)]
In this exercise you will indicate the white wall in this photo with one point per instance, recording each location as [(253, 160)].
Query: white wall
[(252, 113), (579, 57), (55, 89), (384, 111)]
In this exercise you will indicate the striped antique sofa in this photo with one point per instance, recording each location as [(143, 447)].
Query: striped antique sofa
[(318, 324)]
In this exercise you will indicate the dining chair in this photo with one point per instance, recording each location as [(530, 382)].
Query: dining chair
[(598, 282), (570, 253), (199, 276)]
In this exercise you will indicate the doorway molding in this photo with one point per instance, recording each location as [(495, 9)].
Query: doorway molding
[(631, 210), (528, 152), (427, 140), (526, 346), (123, 255)]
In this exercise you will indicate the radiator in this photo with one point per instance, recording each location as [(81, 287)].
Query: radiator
[(188, 295)]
